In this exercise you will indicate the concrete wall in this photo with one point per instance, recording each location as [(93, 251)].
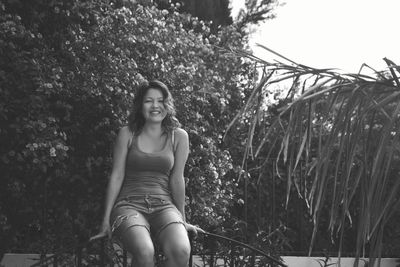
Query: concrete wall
[(344, 262), (18, 260), (25, 260), (293, 261)]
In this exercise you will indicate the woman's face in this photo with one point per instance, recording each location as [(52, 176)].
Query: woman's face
[(153, 108)]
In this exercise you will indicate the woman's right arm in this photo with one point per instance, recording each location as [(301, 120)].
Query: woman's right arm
[(116, 178)]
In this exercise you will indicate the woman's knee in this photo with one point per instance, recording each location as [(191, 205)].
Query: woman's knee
[(144, 256), (175, 244), (178, 251), (139, 244)]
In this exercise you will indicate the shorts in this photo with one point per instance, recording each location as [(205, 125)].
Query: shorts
[(154, 212)]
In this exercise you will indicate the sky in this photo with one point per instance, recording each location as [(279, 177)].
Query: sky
[(340, 34)]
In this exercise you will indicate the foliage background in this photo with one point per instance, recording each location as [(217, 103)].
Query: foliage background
[(68, 71), (67, 80)]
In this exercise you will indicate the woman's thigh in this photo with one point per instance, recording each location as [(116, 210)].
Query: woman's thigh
[(125, 216), (131, 228)]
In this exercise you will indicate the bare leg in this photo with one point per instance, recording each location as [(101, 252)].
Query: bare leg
[(137, 241), (175, 244)]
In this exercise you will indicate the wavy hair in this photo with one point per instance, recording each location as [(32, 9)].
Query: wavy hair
[(136, 119)]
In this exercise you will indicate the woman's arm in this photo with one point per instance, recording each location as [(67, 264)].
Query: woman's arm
[(177, 181), (116, 178)]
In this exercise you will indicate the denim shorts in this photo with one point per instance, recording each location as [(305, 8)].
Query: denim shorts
[(154, 212)]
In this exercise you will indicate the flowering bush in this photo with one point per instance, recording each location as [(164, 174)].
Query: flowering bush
[(66, 90)]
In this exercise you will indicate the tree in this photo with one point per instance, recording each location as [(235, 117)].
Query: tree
[(338, 138), (216, 12), (69, 88)]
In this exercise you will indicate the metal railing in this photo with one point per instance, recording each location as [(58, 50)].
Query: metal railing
[(83, 255), (255, 252)]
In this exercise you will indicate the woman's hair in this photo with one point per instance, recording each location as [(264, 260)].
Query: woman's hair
[(136, 120)]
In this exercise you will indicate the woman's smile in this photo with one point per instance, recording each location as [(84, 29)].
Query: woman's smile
[(153, 105)]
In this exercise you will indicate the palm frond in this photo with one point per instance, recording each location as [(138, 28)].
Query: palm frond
[(343, 127)]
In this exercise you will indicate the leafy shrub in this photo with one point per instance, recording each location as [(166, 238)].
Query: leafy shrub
[(65, 92)]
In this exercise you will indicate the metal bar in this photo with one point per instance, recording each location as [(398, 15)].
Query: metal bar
[(253, 259), (232, 263), (102, 253), (247, 246), (191, 250), (125, 258), (79, 257), (55, 261), (78, 250)]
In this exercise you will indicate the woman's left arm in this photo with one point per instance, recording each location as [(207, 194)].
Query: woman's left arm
[(177, 181)]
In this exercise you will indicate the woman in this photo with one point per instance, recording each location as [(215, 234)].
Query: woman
[(145, 198)]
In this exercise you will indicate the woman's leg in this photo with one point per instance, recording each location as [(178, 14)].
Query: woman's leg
[(175, 244), (137, 241)]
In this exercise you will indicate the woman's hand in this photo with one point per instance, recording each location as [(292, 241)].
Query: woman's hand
[(193, 229), (104, 232)]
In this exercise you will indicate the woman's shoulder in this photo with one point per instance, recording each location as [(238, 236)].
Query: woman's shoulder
[(181, 137), (125, 132), (180, 133), (124, 129), (125, 135)]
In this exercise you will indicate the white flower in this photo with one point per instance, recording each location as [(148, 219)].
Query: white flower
[(53, 152)]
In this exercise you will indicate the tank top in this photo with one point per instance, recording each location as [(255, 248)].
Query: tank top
[(147, 173)]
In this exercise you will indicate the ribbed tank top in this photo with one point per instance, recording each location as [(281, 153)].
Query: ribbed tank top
[(147, 173)]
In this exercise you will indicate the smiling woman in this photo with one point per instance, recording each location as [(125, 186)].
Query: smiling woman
[(153, 106), (146, 96), (145, 200)]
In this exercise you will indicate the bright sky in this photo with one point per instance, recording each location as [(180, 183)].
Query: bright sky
[(341, 34)]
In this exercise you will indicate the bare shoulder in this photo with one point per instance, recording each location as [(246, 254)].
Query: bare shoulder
[(124, 133), (181, 134), (124, 130)]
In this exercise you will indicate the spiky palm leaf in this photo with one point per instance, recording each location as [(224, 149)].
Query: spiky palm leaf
[(345, 129)]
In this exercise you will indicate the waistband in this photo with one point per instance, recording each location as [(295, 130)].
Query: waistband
[(166, 197)]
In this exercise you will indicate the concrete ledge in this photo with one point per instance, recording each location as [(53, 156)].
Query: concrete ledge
[(293, 261), (19, 260), (296, 261), (26, 260)]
